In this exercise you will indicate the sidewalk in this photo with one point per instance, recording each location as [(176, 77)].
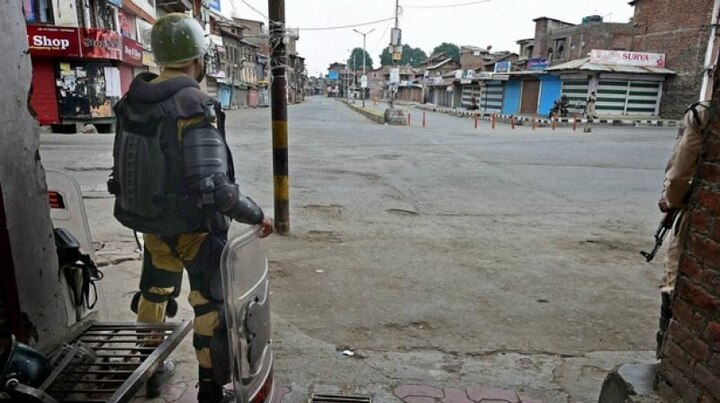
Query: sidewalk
[(411, 393), (608, 120)]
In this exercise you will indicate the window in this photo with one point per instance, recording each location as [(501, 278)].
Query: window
[(528, 52), (560, 49), (38, 11), (551, 51)]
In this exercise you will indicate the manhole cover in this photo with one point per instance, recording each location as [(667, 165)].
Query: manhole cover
[(316, 398)]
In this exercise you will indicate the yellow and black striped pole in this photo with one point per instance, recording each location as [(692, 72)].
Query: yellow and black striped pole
[(278, 92)]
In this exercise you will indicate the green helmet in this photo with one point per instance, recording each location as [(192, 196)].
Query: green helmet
[(177, 38)]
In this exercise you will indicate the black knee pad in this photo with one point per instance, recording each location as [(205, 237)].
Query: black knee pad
[(171, 308)]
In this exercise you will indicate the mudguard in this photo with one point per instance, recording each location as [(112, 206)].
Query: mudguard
[(246, 286)]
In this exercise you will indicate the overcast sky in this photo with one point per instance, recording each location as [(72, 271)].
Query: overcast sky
[(496, 23)]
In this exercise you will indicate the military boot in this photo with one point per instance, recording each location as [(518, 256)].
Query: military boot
[(158, 379), (665, 316), (209, 391)]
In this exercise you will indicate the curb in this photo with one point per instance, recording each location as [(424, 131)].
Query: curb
[(569, 121), (374, 116)]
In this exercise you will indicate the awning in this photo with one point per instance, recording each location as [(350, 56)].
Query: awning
[(585, 65)]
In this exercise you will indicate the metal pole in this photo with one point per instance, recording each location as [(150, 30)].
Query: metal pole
[(395, 63), (279, 116), (364, 56)]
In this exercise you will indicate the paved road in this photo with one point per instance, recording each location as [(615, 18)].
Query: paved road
[(448, 256)]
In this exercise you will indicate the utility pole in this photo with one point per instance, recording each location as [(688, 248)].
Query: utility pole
[(364, 56), (278, 60), (392, 52)]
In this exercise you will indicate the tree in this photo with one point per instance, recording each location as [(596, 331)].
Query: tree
[(450, 49), (410, 55), (357, 56)]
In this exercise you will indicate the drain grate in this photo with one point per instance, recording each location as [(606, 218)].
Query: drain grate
[(318, 398)]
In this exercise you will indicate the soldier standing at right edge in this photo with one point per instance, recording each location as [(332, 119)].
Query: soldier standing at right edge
[(679, 173)]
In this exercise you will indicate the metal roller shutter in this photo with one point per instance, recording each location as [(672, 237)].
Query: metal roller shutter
[(577, 93), (611, 97), (628, 97), (491, 99), (642, 98), (468, 91)]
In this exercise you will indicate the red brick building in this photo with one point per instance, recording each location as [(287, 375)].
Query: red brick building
[(680, 29), (690, 362), (559, 41)]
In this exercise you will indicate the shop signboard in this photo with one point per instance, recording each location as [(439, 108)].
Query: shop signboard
[(537, 64), (625, 58), (143, 33), (100, 44), (51, 41), (503, 67), (132, 52)]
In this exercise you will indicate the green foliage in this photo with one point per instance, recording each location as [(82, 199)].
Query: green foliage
[(358, 60), (410, 55), (450, 49)]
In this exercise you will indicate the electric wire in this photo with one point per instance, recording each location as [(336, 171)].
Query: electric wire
[(362, 24), (254, 9)]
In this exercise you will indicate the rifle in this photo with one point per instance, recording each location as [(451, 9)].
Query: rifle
[(666, 225)]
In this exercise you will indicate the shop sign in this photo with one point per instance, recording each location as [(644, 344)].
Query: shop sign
[(116, 3), (132, 52), (143, 33), (503, 67), (147, 59), (100, 44), (50, 41), (621, 57), (537, 64)]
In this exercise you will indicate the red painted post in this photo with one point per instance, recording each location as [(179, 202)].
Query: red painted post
[(423, 119), (476, 120), (534, 122), (408, 119), (512, 122), (574, 122), (553, 119), (493, 119)]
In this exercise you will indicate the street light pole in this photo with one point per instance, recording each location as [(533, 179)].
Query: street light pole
[(364, 35)]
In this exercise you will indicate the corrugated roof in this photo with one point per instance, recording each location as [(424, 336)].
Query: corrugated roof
[(584, 64)]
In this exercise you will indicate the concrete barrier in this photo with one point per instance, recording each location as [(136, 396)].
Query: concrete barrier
[(368, 113)]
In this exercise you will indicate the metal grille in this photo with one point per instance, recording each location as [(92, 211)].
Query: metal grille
[(124, 356), (317, 398)]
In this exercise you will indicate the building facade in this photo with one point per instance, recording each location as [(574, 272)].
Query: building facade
[(84, 58), (681, 30)]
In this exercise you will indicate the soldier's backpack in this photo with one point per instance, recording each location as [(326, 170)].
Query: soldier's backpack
[(147, 177)]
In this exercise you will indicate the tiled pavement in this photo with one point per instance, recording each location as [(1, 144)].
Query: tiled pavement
[(182, 393)]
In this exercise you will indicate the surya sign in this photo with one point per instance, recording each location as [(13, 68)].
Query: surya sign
[(627, 58)]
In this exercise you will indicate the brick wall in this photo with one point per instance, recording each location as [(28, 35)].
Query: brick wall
[(690, 363), (678, 28)]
